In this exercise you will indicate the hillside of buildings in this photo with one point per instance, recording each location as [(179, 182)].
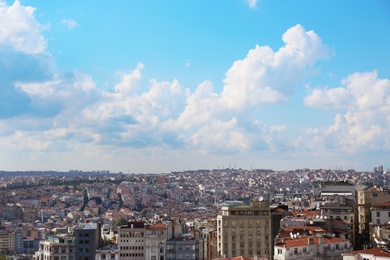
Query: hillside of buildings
[(199, 214)]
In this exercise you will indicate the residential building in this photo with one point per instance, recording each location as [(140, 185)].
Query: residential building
[(7, 240), (57, 247), (184, 247), (380, 216), (366, 197), (342, 209), (107, 253), (87, 240), (155, 239), (311, 247), (131, 241), (245, 230)]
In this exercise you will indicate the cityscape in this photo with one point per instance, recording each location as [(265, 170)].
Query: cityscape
[(196, 129), (199, 214)]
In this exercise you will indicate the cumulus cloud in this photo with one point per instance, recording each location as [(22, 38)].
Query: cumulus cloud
[(365, 124), (20, 31), (69, 23), (136, 114), (44, 109)]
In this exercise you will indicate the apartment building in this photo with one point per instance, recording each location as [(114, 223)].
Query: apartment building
[(366, 197), (311, 247), (87, 240), (56, 247), (131, 241), (245, 230), (155, 239), (7, 240), (185, 247)]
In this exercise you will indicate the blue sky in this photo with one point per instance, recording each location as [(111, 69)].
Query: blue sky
[(159, 86)]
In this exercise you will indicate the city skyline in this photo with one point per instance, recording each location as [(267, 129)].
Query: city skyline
[(148, 86)]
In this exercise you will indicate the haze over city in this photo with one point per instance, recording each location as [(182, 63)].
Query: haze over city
[(160, 86)]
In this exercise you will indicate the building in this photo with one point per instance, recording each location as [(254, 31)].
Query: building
[(57, 247), (380, 216), (87, 240), (366, 197), (107, 253), (371, 254), (342, 209), (184, 247), (245, 230), (131, 241), (311, 247), (329, 189), (155, 239), (7, 240)]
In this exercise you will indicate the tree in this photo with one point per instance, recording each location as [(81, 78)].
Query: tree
[(120, 222)]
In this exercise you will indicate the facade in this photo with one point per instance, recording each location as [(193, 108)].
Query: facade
[(7, 240), (380, 216), (365, 199), (184, 247), (131, 241), (107, 253), (155, 239), (245, 230), (311, 247), (344, 210), (331, 188), (87, 240), (58, 247)]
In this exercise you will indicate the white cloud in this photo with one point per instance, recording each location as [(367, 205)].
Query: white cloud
[(265, 76), (20, 31), (69, 23), (366, 122), (252, 3), (66, 114)]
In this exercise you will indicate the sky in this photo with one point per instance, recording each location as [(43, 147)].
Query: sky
[(159, 86)]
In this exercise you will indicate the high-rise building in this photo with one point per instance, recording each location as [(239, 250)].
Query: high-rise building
[(155, 239), (87, 240), (131, 241), (245, 230)]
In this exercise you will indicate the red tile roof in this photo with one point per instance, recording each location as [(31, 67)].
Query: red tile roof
[(384, 204), (158, 226), (304, 240), (373, 251)]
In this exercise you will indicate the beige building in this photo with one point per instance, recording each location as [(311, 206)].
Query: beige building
[(7, 240), (131, 241), (156, 237), (61, 247), (245, 230), (365, 199)]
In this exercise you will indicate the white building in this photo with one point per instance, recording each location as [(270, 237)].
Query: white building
[(310, 247), (156, 237)]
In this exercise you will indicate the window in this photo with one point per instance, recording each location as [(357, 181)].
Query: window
[(378, 214), (280, 251), (295, 250), (304, 250), (337, 246)]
